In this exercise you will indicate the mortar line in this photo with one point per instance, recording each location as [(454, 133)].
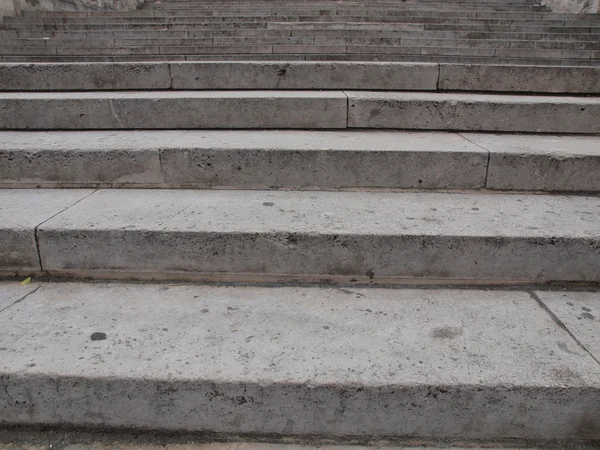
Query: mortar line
[(489, 158), (19, 300), (559, 322), (36, 229)]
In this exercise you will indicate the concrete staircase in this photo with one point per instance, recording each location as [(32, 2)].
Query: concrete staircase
[(323, 251), (480, 32)]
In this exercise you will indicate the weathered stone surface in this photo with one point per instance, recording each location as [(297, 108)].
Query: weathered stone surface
[(21, 211), (175, 109), (12, 292), (579, 312), (331, 159), (84, 76), (322, 234), (473, 112), (514, 78), (545, 163), (327, 362), (303, 75), (77, 158)]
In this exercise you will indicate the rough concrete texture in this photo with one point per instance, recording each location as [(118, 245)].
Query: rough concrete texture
[(296, 361), (546, 163), (355, 234), (84, 76), (512, 78), (17, 445), (248, 159), (12, 293), (323, 159), (299, 159), (20, 213), (473, 112), (573, 6), (298, 109), (580, 313), (303, 75), (194, 109), (82, 158), (296, 75)]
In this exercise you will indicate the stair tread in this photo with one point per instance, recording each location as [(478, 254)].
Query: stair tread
[(285, 360), (466, 236)]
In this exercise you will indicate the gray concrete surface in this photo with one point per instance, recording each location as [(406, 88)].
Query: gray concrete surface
[(580, 313), (298, 109), (20, 213), (84, 76), (547, 163), (466, 77), (323, 159), (299, 159), (12, 293), (82, 158), (362, 235), (176, 109), (296, 361), (299, 75), (471, 112), (292, 75), (229, 446)]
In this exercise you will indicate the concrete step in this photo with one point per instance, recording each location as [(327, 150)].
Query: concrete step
[(299, 75), (333, 109), (254, 235), (257, 57), (346, 365), (407, 42), (342, 364), (299, 160), (248, 50)]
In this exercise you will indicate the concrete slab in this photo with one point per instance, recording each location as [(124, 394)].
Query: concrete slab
[(84, 76), (356, 235), (89, 158), (100, 445), (473, 112), (546, 163), (175, 109), (580, 314), (326, 362), (327, 159), (20, 213), (304, 75), (12, 292), (557, 79)]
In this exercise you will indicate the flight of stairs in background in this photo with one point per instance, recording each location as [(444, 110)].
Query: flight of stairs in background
[(517, 32)]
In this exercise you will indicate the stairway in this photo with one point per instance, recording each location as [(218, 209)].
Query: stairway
[(478, 32), (356, 251)]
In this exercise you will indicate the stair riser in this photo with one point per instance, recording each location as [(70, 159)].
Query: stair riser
[(303, 110), (305, 160)]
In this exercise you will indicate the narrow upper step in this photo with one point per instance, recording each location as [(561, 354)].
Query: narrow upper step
[(299, 75), (299, 160), (270, 235), (297, 109), (345, 363)]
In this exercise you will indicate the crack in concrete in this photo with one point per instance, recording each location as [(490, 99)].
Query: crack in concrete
[(114, 112), (559, 322), (489, 157), (36, 228), (19, 300)]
